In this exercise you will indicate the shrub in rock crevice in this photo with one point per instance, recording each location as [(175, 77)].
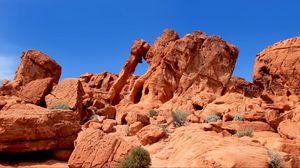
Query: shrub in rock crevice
[(138, 158)]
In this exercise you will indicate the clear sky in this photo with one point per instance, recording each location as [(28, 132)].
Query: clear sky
[(96, 35)]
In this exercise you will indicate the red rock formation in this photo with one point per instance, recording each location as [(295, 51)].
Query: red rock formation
[(36, 91), (68, 93), (277, 68), (138, 50), (28, 128), (36, 65), (94, 148)]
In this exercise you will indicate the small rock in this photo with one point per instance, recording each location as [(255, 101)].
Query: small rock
[(150, 134), (108, 125), (134, 128)]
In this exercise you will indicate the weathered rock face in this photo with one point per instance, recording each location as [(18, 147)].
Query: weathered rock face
[(29, 128), (189, 146), (240, 85), (36, 65), (36, 91), (94, 148), (277, 68), (68, 93), (179, 68), (138, 50), (290, 127)]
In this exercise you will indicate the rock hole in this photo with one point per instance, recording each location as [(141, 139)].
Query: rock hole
[(138, 96), (146, 90), (288, 93), (197, 107)]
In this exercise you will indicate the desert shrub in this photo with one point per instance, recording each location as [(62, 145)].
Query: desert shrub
[(276, 160), (60, 106), (238, 117), (212, 118), (179, 117), (153, 113), (138, 158), (164, 127), (244, 131)]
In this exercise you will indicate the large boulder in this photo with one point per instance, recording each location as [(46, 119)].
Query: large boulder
[(290, 127), (277, 68), (69, 94), (150, 134), (94, 148), (36, 91), (29, 128), (36, 65)]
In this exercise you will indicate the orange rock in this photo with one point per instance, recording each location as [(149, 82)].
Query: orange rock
[(28, 128), (94, 148), (108, 111), (108, 125), (189, 146), (150, 134), (36, 65), (36, 91), (138, 50), (133, 117), (68, 93), (277, 68), (134, 128)]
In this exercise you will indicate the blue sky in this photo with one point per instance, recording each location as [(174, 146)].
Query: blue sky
[(96, 35)]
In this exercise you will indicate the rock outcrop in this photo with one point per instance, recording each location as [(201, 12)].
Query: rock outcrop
[(36, 91), (68, 93), (138, 51), (277, 68), (94, 148), (29, 128), (36, 65)]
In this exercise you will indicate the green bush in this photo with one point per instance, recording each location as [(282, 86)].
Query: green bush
[(153, 113), (60, 106), (138, 158), (276, 160), (238, 117), (212, 118), (179, 117), (245, 131)]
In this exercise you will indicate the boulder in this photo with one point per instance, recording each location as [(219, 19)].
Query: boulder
[(277, 68), (150, 134), (69, 94), (133, 117), (289, 129), (108, 111), (94, 148), (29, 128), (134, 128), (108, 125), (36, 91), (36, 65)]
